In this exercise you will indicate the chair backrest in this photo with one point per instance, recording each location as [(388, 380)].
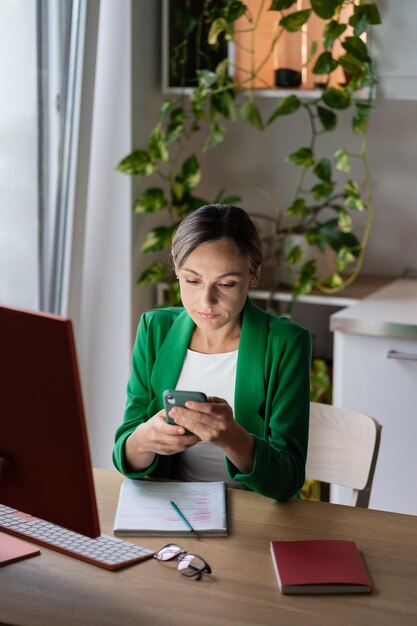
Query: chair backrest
[(343, 449)]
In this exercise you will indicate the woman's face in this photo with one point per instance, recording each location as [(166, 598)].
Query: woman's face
[(214, 282)]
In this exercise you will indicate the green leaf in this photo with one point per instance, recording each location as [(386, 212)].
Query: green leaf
[(190, 174), (355, 203), (295, 21), (218, 27), (344, 222), (206, 78), (335, 281), (337, 239), (357, 48), (235, 9), (314, 238), (351, 65), (325, 8), (336, 98), (342, 160), (302, 156), (215, 137), (325, 64), (166, 107), (157, 145), (364, 15), (157, 239), (151, 201), (230, 199), (250, 114), (152, 274), (328, 118), (188, 204), (287, 105), (199, 99), (352, 188), (298, 207), (361, 116), (322, 190), (294, 255), (332, 31), (176, 124), (323, 170), (281, 5), (344, 257), (305, 281), (138, 163), (223, 103)]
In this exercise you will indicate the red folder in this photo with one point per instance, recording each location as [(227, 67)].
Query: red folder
[(319, 566), (13, 549)]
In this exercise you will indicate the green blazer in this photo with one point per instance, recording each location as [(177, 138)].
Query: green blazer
[(272, 395)]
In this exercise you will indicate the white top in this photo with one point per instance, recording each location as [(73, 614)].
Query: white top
[(215, 375)]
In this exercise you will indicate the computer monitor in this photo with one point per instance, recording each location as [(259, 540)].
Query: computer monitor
[(46, 469)]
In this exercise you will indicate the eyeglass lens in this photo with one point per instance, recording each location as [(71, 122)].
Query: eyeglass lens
[(187, 563), (168, 552), (191, 565)]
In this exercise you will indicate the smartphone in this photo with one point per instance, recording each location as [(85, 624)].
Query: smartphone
[(175, 397)]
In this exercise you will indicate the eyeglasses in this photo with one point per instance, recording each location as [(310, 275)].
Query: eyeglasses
[(188, 563)]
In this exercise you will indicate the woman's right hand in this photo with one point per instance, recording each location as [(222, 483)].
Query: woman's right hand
[(156, 436)]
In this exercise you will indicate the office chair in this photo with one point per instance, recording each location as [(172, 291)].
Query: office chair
[(343, 449)]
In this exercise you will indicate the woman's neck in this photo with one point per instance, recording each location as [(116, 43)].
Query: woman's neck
[(215, 342)]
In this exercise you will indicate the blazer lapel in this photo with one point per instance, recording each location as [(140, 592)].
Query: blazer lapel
[(250, 384)]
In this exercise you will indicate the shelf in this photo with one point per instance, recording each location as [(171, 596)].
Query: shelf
[(362, 287)]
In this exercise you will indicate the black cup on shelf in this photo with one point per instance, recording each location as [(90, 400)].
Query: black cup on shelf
[(285, 77)]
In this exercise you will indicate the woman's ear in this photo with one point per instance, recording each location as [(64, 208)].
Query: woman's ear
[(255, 278)]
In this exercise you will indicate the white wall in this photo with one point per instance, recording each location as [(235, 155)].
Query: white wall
[(104, 327)]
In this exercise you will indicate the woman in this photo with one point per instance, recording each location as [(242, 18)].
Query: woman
[(253, 366)]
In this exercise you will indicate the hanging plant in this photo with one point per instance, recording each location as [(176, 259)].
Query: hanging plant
[(211, 98)]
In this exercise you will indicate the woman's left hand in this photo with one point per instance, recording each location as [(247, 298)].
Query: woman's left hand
[(213, 422)]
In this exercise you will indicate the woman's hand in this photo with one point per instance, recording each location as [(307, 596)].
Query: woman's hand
[(213, 422), (156, 436)]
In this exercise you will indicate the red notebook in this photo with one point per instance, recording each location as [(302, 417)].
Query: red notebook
[(13, 549), (319, 566)]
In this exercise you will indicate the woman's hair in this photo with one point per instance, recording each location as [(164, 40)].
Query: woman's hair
[(215, 221)]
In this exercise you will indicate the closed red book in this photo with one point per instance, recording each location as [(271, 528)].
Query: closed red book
[(320, 566)]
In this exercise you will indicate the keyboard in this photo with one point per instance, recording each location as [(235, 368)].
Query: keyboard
[(105, 551)]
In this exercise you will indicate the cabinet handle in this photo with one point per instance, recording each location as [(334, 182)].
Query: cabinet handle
[(406, 356)]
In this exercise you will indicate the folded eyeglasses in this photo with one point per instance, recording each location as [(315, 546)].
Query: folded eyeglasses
[(188, 563)]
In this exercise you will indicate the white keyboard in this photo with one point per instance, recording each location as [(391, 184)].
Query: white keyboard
[(104, 551)]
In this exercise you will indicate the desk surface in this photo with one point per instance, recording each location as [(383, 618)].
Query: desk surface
[(55, 589)]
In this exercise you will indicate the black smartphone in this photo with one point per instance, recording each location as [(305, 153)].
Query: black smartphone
[(176, 397)]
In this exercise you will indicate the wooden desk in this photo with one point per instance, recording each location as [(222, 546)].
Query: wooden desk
[(57, 590)]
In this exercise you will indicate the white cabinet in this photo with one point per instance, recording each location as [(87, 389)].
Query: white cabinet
[(375, 372), (393, 45)]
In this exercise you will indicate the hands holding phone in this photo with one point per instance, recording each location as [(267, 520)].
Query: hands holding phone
[(192, 420), (210, 419)]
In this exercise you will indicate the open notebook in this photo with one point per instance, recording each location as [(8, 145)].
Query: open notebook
[(144, 508)]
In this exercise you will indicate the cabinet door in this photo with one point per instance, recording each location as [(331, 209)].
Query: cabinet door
[(366, 379)]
